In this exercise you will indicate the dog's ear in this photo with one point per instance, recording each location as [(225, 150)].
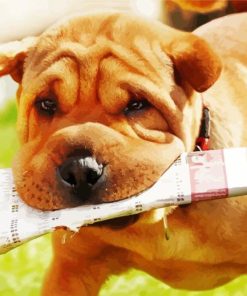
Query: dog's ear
[(12, 56), (195, 61)]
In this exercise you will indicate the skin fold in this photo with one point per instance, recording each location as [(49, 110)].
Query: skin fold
[(94, 67)]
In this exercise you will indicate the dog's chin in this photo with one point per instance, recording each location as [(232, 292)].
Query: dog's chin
[(119, 223)]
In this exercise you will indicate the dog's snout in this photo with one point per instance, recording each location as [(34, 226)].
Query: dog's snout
[(78, 176)]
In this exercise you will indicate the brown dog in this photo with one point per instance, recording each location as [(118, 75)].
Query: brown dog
[(206, 6), (106, 103)]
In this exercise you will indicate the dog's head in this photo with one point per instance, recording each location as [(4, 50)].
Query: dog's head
[(106, 104)]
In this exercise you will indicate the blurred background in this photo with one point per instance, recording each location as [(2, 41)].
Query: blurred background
[(22, 270)]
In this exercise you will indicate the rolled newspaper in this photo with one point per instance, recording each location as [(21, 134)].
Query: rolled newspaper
[(196, 176)]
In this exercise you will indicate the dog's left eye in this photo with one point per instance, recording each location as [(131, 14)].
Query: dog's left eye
[(136, 105), (46, 106)]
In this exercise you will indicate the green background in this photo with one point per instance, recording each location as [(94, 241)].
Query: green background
[(22, 270)]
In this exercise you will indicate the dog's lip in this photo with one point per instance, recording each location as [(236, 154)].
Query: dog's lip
[(118, 223), (184, 206)]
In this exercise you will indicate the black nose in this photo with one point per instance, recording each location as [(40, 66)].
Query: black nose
[(78, 176)]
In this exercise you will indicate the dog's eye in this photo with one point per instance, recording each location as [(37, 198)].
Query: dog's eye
[(46, 106), (136, 105)]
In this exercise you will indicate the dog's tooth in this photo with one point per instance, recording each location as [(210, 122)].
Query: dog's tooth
[(166, 229), (64, 238)]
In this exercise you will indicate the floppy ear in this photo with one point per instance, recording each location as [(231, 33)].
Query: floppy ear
[(12, 56), (195, 61)]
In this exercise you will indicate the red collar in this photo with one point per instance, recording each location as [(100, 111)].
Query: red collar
[(202, 142)]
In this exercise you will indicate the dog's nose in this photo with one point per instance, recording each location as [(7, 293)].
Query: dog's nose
[(78, 176)]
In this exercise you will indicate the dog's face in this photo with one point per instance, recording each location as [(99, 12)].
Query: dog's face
[(106, 104)]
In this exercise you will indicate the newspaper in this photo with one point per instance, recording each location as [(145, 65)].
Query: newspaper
[(193, 177)]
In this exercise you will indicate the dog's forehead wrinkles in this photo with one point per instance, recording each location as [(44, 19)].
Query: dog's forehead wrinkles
[(143, 57), (86, 32)]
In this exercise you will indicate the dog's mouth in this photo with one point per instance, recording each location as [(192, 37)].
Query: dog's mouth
[(119, 223)]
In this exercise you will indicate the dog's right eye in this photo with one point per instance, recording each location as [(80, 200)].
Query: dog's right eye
[(46, 106), (136, 105)]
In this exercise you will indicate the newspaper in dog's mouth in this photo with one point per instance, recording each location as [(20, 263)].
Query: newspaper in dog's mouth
[(194, 176)]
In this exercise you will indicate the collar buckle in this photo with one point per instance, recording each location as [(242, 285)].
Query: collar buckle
[(202, 142)]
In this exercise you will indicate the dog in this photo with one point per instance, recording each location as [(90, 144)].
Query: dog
[(106, 103), (210, 5), (187, 15)]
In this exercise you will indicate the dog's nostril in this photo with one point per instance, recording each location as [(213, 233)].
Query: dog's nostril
[(70, 179), (93, 175)]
